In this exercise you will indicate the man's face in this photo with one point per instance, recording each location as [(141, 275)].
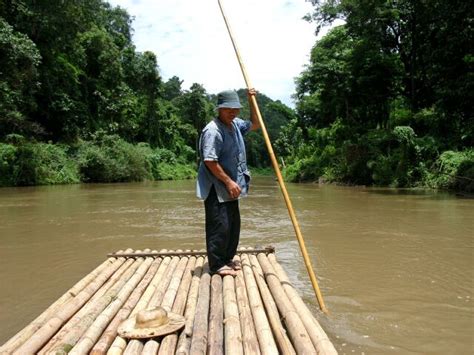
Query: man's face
[(227, 115)]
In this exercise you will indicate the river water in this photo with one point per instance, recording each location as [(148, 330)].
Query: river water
[(395, 267)]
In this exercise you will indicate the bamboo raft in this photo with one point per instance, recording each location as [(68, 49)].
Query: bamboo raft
[(256, 312)]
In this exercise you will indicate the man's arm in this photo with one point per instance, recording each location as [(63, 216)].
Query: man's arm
[(216, 169), (253, 110)]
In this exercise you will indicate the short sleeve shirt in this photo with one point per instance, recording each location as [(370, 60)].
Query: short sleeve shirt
[(226, 146)]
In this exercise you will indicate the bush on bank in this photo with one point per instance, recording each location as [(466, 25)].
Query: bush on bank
[(380, 157), (107, 158)]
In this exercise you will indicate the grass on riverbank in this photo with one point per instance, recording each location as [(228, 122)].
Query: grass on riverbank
[(104, 159)]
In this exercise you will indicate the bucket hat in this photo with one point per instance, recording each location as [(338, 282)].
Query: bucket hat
[(151, 323), (228, 99)]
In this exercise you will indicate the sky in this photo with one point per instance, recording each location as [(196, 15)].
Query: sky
[(191, 41)]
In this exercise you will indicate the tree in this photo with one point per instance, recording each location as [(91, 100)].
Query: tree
[(172, 88), (196, 110), (19, 60)]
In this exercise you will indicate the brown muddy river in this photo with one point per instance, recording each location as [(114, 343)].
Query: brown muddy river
[(395, 267)]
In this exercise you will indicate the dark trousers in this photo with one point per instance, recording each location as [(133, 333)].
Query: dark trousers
[(222, 230)]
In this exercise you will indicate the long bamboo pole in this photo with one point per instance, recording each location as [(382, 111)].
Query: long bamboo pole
[(289, 205), (266, 250)]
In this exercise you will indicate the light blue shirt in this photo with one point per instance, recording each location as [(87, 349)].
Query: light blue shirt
[(226, 146)]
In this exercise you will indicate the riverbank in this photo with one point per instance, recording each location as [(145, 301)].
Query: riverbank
[(104, 159), (108, 158)]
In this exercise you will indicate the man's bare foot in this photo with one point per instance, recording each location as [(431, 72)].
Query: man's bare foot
[(235, 264), (226, 271)]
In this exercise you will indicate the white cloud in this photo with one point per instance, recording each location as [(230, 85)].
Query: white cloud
[(190, 40)]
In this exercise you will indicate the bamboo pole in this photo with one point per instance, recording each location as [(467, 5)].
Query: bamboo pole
[(151, 347), (172, 291), (71, 323), (133, 348), (283, 342), (75, 319), (200, 327), (266, 250), (262, 327), (92, 334), (170, 295), (232, 331), (317, 334), (274, 161), (101, 347), (184, 341), (119, 344), (151, 289), (168, 343), (43, 334), (249, 338), (159, 294), (93, 309), (31, 328), (216, 334), (296, 330), (156, 298)]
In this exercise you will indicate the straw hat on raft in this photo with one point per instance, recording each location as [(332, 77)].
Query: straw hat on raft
[(151, 323)]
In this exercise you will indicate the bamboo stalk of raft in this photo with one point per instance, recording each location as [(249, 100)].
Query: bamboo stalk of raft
[(160, 292), (31, 328), (216, 319), (262, 327), (86, 317), (100, 348), (155, 300), (249, 338), (232, 331), (76, 318), (200, 326), (318, 336), (296, 329), (168, 299), (151, 347), (184, 341), (168, 343), (119, 344), (266, 250), (50, 327), (283, 342), (173, 286), (95, 330)]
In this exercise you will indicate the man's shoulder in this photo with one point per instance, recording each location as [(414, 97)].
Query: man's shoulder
[(212, 126), (242, 125)]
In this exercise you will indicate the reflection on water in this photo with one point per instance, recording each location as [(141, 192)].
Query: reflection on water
[(394, 266)]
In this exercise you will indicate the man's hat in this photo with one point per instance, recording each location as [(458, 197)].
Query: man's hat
[(228, 99), (151, 323)]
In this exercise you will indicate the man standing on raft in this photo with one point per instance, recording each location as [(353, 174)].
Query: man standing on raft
[(223, 178)]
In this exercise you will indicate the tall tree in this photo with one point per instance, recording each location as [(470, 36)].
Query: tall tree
[(19, 59)]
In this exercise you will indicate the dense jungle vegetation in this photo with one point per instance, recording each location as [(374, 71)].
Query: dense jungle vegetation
[(385, 100)]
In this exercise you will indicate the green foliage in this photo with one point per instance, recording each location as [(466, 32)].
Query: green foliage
[(111, 159), (19, 59), (276, 116), (7, 163), (384, 96), (453, 169), (36, 164), (107, 158), (385, 100)]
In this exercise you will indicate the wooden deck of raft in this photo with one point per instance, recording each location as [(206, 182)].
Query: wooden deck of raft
[(256, 312)]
